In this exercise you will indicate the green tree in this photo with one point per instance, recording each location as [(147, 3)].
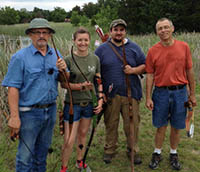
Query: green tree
[(136, 14), (104, 17), (190, 15), (25, 16), (75, 18), (58, 15), (84, 21), (77, 9), (90, 9), (37, 12), (141, 15), (9, 16)]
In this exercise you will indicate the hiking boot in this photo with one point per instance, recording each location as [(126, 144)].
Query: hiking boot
[(156, 158), (107, 158), (174, 161), (137, 158)]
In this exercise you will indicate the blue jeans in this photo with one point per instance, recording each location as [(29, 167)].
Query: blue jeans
[(169, 106), (35, 138)]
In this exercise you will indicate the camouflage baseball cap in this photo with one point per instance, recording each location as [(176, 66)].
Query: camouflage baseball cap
[(37, 23), (116, 22)]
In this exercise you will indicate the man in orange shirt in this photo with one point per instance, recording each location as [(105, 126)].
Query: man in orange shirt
[(169, 69)]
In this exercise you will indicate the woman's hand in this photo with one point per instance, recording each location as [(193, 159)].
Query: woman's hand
[(99, 108)]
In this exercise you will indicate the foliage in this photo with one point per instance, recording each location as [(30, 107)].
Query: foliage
[(9, 16), (39, 13), (24, 15), (58, 15), (105, 16), (90, 9), (140, 15), (77, 9), (84, 21), (75, 18), (190, 14)]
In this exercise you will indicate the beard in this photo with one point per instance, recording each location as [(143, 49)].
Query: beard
[(117, 40), (42, 43)]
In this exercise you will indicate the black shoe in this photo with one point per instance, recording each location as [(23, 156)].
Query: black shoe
[(107, 158), (174, 161), (137, 158), (156, 158)]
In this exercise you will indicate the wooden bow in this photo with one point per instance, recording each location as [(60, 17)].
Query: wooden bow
[(63, 73)]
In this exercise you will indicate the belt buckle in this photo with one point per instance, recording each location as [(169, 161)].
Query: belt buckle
[(84, 104), (25, 109)]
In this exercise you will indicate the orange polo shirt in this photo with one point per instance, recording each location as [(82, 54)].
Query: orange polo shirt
[(169, 64)]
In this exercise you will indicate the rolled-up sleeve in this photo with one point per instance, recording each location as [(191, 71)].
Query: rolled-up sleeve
[(14, 76)]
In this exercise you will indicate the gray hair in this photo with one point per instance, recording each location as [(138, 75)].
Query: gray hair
[(163, 19)]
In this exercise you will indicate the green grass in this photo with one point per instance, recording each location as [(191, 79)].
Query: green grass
[(189, 151)]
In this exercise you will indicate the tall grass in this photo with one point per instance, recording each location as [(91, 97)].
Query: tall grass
[(188, 149)]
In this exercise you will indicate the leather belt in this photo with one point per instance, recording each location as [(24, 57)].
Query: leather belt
[(82, 104), (42, 106), (173, 87), (24, 109)]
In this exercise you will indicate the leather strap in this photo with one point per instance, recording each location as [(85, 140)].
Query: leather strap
[(115, 51), (128, 83)]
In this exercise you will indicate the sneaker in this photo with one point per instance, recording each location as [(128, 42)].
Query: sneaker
[(80, 165), (174, 161), (83, 168), (137, 158), (156, 158), (107, 158), (64, 169)]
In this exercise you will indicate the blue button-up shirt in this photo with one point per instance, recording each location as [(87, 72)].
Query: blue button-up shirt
[(34, 75)]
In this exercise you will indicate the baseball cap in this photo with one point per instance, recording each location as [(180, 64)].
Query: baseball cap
[(37, 23), (116, 22)]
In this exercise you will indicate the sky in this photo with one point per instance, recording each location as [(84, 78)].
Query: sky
[(44, 4)]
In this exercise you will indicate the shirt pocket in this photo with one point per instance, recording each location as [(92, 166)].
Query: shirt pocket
[(33, 76), (34, 73)]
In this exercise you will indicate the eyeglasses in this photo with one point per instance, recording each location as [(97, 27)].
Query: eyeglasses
[(38, 33)]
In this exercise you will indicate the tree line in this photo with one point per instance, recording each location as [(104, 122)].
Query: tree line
[(140, 15)]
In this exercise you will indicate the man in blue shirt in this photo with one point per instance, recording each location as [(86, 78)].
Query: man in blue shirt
[(32, 90), (115, 88)]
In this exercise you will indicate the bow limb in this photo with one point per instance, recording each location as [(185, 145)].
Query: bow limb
[(131, 122), (65, 77)]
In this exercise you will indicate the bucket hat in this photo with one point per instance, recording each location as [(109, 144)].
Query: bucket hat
[(116, 22), (37, 23)]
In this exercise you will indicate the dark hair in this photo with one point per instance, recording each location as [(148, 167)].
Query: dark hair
[(80, 30)]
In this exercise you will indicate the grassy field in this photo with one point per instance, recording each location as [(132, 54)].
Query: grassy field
[(189, 151)]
